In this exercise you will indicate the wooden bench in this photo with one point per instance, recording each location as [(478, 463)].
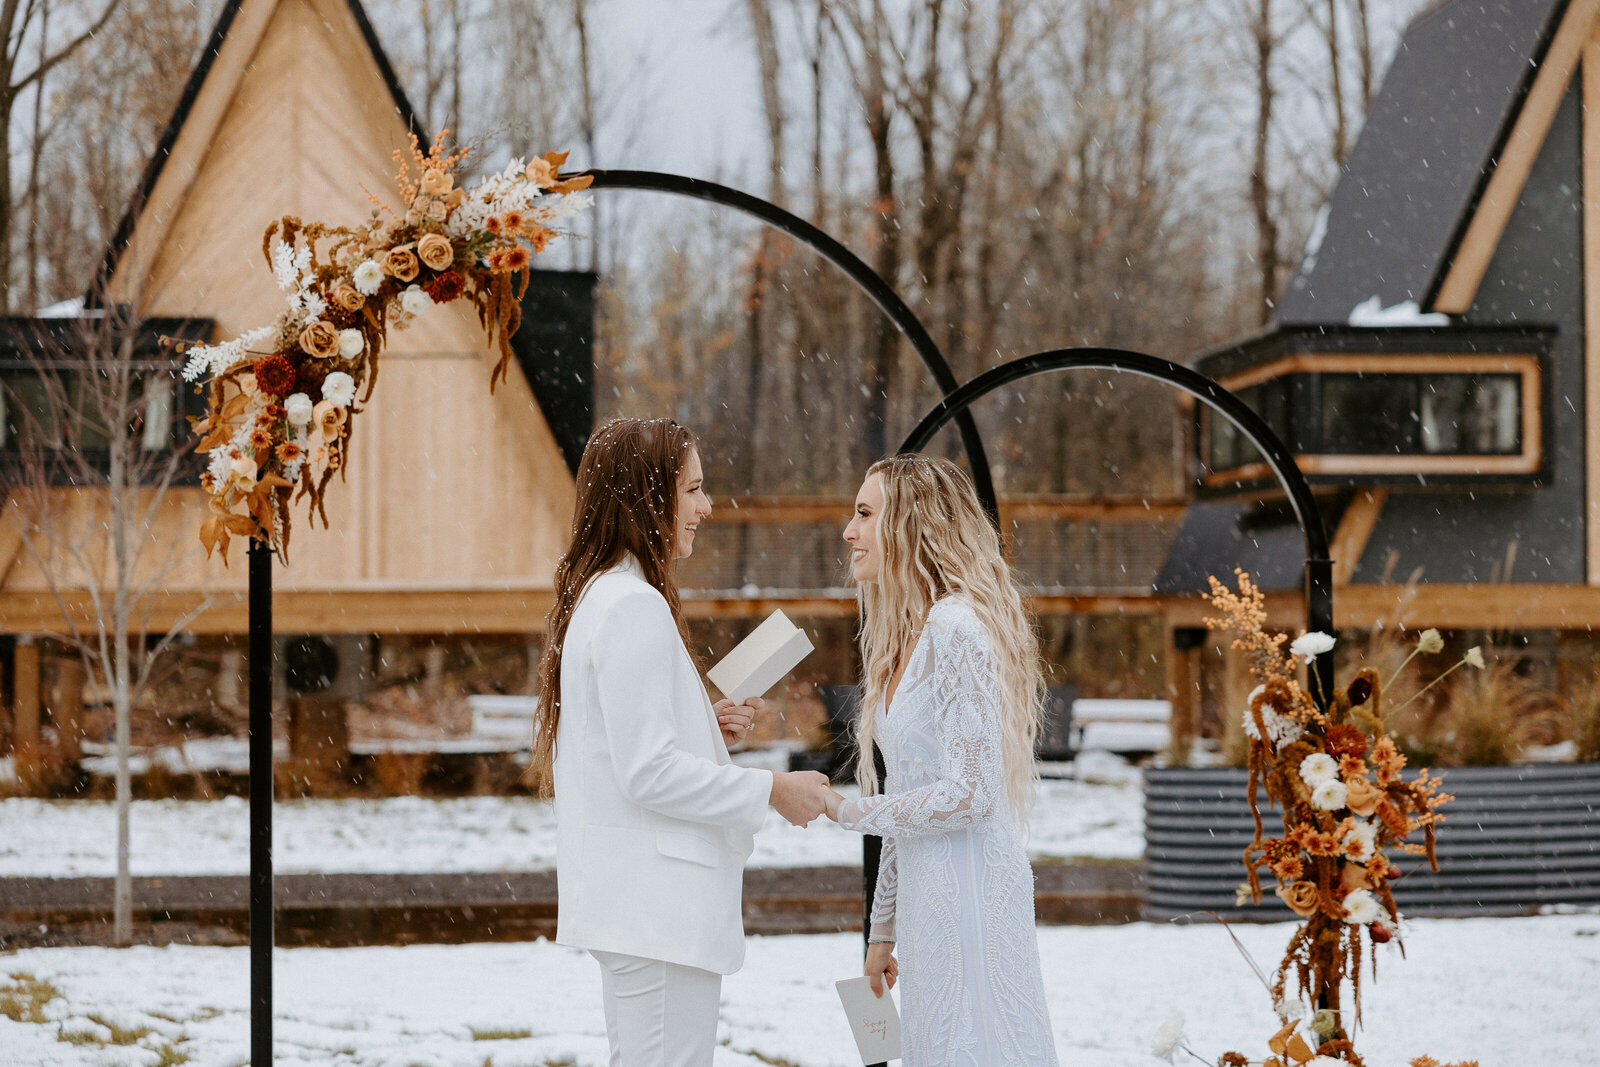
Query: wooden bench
[(1126, 727), (504, 721)]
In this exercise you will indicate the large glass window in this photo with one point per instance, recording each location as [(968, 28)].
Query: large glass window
[(57, 408), (1350, 414)]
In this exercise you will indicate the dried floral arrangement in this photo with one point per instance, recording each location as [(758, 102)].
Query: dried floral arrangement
[(1328, 764), (282, 399)]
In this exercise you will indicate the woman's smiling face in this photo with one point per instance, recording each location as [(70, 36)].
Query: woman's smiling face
[(862, 532), (693, 505)]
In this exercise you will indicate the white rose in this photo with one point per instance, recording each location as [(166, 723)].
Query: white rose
[(339, 389), (1309, 646), (1361, 907), (368, 276), (1330, 795), (351, 343), (298, 407), (414, 300), (1317, 768)]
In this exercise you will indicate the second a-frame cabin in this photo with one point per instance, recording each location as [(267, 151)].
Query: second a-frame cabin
[(455, 503), (1434, 364)]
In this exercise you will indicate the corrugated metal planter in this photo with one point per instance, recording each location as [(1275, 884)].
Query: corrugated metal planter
[(1515, 839)]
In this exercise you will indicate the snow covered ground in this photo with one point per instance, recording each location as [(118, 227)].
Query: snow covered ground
[(1503, 991), (413, 835)]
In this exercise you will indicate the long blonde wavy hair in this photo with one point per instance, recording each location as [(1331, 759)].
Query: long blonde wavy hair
[(935, 541)]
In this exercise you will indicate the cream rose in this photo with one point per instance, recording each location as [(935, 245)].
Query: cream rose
[(351, 343), (1361, 796), (1301, 897), (435, 252), (436, 182), (242, 472), (401, 263), (414, 300), (348, 297), (320, 340), (297, 408)]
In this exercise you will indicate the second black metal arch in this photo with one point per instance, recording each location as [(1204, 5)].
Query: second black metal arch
[(868, 280), (1319, 568)]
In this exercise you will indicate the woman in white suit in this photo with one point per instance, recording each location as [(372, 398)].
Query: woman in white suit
[(653, 822)]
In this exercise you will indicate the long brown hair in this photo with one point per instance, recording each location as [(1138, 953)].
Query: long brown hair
[(627, 504)]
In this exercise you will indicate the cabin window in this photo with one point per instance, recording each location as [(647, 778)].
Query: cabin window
[(57, 409), (1391, 417)]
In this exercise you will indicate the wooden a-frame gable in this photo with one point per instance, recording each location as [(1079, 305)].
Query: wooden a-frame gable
[(455, 504)]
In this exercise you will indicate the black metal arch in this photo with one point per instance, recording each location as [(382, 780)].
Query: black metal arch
[(1319, 568), (868, 280)]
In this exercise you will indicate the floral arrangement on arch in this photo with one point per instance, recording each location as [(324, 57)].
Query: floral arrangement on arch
[(282, 399), (1331, 768)]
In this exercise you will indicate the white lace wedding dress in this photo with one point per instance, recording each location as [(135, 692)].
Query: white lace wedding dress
[(955, 890)]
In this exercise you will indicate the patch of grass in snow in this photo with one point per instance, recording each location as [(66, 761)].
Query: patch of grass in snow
[(500, 1035), (122, 1035), (776, 1061), (23, 997), (171, 1055)]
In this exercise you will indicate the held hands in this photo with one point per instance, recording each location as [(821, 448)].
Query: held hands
[(735, 719), (881, 966), (798, 795), (830, 803)]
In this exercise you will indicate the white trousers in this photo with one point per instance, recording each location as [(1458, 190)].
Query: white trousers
[(658, 1014)]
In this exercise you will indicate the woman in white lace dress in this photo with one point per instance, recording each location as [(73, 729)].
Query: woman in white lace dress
[(952, 698)]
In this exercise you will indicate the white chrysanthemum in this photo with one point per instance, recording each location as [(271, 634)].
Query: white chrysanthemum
[(1309, 646), (1330, 795), (368, 276), (1280, 728), (1168, 1039), (414, 300), (1361, 907), (1317, 768), (339, 388), (351, 343), (298, 408)]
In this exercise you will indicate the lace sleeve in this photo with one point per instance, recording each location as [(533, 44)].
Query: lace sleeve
[(881, 926), (967, 719)]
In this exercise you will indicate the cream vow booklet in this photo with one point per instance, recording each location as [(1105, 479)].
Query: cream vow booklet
[(873, 1019), (772, 650)]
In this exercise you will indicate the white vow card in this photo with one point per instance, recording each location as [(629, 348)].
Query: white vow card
[(772, 650), (873, 1019)]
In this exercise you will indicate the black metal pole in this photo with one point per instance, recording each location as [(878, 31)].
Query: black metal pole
[(260, 803)]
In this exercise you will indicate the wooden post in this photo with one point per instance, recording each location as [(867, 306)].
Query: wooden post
[(26, 714), (66, 706), (1183, 687)]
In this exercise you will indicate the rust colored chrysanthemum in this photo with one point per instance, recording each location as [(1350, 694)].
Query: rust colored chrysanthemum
[(516, 258), (446, 287), (289, 451), (275, 375), (1346, 740)]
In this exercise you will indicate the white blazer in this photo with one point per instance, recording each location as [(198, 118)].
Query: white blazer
[(653, 823)]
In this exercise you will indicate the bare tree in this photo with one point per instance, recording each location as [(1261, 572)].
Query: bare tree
[(22, 68), (99, 452)]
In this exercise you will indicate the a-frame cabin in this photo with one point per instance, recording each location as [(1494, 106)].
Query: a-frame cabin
[(1433, 363), (455, 504)]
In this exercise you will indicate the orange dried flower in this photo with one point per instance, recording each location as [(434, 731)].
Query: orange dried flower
[(260, 438), (513, 220), (274, 375), (516, 258), (289, 451), (492, 224), (1346, 740), (539, 237), (1352, 767)]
